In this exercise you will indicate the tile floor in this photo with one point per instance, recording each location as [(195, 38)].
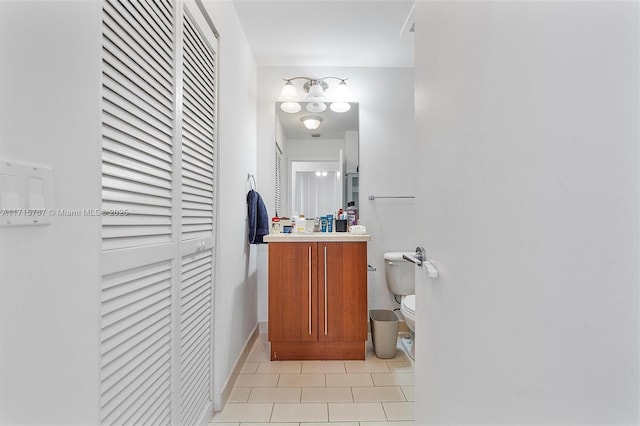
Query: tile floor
[(373, 392)]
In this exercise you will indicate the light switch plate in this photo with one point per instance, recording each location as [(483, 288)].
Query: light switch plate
[(25, 194)]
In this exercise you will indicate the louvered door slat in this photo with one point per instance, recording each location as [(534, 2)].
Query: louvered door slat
[(153, 408), (195, 296), (195, 199), (197, 333), (197, 69), (153, 54), (195, 74), (136, 349), (197, 303), (122, 341), (197, 374), (115, 141), (197, 47), (196, 161), (146, 396), (154, 27), (198, 90), (198, 181), (140, 73), (130, 124), (127, 81), (117, 171), (131, 199), (118, 383), (117, 159), (196, 101), (124, 101), (198, 133), (162, 19), (141, 29), (195, 148), (153, 187)]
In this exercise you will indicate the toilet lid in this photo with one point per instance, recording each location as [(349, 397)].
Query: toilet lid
[(409, 303)]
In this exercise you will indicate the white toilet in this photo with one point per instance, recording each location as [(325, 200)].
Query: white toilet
[(400, 277)]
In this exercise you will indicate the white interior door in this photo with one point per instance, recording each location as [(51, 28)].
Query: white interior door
[(527, 203)]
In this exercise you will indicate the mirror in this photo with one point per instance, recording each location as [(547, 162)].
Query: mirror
[(316, 169)]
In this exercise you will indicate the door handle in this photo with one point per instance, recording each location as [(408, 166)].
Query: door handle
[(420, 258), (309, 290), (325, 291)]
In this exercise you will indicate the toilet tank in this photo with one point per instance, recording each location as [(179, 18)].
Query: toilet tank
[(399, 273)]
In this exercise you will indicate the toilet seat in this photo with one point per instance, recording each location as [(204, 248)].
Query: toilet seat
[(409, 304), (408, 311)]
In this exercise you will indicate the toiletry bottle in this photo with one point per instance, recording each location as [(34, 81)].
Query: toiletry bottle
[(352, 213), (301, 224), (294, 222), (275, 224)]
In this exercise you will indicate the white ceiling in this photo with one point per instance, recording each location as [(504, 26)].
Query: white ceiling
[(329, 33)]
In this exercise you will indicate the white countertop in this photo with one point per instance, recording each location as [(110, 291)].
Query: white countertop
[(309, 237)]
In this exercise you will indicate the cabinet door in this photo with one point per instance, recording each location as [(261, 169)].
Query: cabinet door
[(292, 292), (342, 291)]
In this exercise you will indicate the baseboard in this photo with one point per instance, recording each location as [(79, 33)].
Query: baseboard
[(237, 367)]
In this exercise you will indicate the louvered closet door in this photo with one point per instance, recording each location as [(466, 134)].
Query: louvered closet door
[(158, 166), (198, 162)]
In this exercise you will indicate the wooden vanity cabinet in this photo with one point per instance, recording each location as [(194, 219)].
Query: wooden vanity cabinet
[(317, 300)]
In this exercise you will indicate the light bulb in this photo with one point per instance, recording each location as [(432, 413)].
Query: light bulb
[(312, 122), (340, 106), (290, 107), (289, 93)]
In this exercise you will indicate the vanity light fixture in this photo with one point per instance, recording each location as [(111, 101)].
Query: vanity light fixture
[(316, 89), (311, 122), (341, 98)]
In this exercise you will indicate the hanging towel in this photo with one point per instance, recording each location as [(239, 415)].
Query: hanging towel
[(258, 218)]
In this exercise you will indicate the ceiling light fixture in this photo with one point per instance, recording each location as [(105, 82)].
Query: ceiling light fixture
[(312, 122), (316, 89)]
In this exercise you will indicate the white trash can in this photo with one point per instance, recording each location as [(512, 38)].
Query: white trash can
[(384, 332)]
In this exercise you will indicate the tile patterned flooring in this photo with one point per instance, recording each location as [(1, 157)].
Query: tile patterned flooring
[(373, 392)]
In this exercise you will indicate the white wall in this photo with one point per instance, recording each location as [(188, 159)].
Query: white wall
[(528, 128), (50, 275), (385, 97), (236, 277)]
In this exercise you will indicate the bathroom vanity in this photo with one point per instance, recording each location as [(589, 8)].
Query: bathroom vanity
[(317, 296)]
